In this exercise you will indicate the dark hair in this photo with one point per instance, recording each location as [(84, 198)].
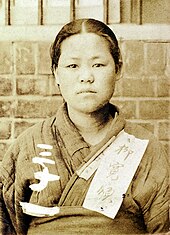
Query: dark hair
[(89, 26)]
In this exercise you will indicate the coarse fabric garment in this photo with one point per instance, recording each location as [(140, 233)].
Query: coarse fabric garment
[(145, 204)]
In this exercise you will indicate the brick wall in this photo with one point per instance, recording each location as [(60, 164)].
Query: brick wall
[(28, 92)]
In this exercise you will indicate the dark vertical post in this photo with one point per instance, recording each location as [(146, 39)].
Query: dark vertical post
[(40, 12), (105, 11), (72, 10), (8, 12)]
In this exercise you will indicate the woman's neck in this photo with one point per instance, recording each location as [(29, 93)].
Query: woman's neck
[(94, 126)]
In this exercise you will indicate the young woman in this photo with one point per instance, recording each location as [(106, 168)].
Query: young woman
[(86, 170)]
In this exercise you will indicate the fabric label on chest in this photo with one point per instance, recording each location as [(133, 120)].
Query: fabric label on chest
[(117, 165)]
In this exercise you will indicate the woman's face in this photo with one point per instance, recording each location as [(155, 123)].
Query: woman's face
[(86, 72)]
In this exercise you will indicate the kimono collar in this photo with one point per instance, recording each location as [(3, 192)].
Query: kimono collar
[(72, 139), (70, 135)]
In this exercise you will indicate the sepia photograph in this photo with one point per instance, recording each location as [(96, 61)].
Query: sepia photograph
[(84, 117)]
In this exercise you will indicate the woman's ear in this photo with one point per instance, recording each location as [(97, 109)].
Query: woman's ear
[(118, 72), (56, 77)]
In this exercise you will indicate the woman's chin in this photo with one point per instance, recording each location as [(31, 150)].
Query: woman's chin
[(88, 108)]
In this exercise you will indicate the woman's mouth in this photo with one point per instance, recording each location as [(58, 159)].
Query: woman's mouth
[(86, 92)]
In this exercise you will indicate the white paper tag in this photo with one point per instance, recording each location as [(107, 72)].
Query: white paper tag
[(87, 173), (114, 174)]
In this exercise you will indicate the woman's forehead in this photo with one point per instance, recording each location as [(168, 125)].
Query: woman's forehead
[(85, 42)]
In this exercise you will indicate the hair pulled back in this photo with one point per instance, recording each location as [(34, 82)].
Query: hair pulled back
[(86, 26)]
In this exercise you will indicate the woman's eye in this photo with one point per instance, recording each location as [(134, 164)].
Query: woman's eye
[(98, 65), (72, 66)]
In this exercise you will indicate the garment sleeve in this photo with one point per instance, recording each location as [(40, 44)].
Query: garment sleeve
[(16, 174), (6, 227), (156, 210), (7, 187)]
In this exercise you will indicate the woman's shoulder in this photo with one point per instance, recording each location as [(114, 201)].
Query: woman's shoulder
[(139, 131), (155, 150), (36, 129), (25, 145), (33, 135), (155, 156)]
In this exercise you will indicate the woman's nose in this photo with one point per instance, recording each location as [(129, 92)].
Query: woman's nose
[(86, 75)]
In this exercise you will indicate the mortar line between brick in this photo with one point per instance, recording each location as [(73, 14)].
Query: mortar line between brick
[(137, 109), (145, 58), (147, 120), (166, 58), (30, 97), (123, 32), (35, 49), (156, 132), (140, 99), (155, 88), (14, 104)]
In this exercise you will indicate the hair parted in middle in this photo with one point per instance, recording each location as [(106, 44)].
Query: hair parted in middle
[(86, 25)]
